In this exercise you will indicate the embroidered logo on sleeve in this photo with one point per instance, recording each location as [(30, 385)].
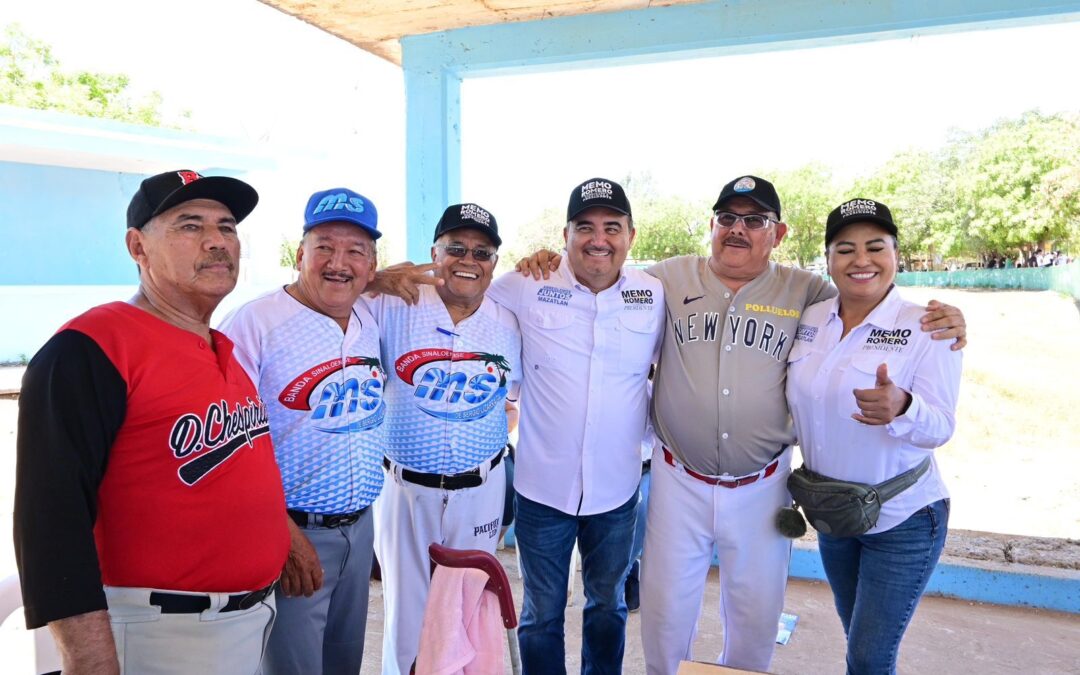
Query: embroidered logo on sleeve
[(805, 333)]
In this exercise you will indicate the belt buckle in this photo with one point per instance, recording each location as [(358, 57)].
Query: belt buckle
[(255, 597)]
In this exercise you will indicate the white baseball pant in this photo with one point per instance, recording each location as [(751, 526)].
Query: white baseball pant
[(686, 518), (212, 642), (409, 518)]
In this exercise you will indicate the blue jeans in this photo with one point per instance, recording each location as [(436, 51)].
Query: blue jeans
[(545, 538), (639, 528), (877, 580)]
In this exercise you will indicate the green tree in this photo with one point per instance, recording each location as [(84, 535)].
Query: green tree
[(287, 253), (807, 194), (544, 231), (1013, 183), (919, 188), (669, 226), (31, 77)]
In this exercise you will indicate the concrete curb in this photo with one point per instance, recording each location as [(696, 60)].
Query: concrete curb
[(1018, 584)]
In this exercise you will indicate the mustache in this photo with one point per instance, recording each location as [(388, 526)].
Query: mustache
[(736, 238), (217, 257)]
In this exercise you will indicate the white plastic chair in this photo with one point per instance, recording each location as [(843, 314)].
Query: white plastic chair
[(46, 656)]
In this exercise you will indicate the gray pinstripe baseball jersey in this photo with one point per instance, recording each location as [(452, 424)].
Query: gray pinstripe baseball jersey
[(718, 398)]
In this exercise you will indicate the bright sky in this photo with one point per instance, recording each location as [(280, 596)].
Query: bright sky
[(247, 70)]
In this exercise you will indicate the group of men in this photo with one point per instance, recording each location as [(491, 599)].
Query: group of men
[(155, 517)]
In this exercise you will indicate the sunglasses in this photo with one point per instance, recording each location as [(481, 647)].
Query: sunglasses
[(479, 254)]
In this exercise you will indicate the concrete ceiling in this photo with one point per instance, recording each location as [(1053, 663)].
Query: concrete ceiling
[(378, 25)]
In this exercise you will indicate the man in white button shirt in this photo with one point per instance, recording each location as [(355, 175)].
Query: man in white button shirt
[(589, 335)]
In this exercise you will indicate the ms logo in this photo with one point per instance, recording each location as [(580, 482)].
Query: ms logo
[(463, 392), (339, 202), (340, 406)]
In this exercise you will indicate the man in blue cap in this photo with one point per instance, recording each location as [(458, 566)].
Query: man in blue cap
[(313, 353)]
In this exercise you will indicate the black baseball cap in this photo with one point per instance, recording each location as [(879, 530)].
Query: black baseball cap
[(472, 216), (160, 193), (751, 187), (858, 211), (597, 192)]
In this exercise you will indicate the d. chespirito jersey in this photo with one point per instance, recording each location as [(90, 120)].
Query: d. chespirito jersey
[(323, 390), (448, 384), (718, 398)]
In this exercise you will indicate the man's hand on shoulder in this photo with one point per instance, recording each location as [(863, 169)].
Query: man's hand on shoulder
[(303, 573), (539, 264), (946, 322), (404, 281), (85, 643)]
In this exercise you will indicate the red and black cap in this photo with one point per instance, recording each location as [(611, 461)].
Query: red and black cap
[(160, 193)]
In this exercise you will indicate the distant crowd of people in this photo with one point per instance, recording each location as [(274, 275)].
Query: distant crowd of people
[(1033, 259)]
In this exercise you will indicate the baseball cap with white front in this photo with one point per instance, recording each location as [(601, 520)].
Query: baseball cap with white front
[(756, 189), (597, 192)]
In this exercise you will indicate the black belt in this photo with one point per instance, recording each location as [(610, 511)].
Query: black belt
[(178, 603), (456, 481), (328, 520)]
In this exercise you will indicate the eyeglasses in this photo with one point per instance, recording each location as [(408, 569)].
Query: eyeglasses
[(752, 221), (479, 253)]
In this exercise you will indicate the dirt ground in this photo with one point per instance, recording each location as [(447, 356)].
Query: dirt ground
[(1013, 468)]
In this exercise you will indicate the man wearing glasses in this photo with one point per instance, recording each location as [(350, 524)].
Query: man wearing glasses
[(452, 362)]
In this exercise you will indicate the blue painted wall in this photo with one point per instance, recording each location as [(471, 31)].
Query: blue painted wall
[(64, 226)]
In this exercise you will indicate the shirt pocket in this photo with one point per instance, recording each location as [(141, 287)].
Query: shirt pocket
[(553, 329), (864, 369), (637, 340)]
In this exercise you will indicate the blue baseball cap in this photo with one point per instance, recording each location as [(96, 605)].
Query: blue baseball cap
[(342, 205)]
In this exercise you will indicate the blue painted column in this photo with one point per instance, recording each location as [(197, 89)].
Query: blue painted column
[(432, 145)]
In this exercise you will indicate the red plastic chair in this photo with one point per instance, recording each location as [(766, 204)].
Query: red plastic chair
[(497, 583)]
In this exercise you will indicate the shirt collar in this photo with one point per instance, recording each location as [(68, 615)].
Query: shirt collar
[(882, 316)]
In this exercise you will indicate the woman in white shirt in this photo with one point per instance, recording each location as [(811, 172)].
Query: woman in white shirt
[(872, 396)]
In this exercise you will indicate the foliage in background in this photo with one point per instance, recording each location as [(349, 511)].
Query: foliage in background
[(287, 253), (667, 227), (544, 231), (31, 77), (807, 194), (1010, 180), (918, 189)]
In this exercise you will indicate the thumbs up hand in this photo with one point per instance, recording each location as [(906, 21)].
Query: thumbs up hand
[(882, 404)]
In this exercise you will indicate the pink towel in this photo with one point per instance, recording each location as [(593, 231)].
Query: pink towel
[(463, 632)]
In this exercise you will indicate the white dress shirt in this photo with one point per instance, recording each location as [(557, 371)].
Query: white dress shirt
[(584, 394), (825, 369)]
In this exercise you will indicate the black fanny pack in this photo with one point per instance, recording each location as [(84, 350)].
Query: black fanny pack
[(841, 508)]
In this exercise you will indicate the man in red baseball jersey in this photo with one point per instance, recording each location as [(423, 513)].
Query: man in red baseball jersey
[(149, 514)]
